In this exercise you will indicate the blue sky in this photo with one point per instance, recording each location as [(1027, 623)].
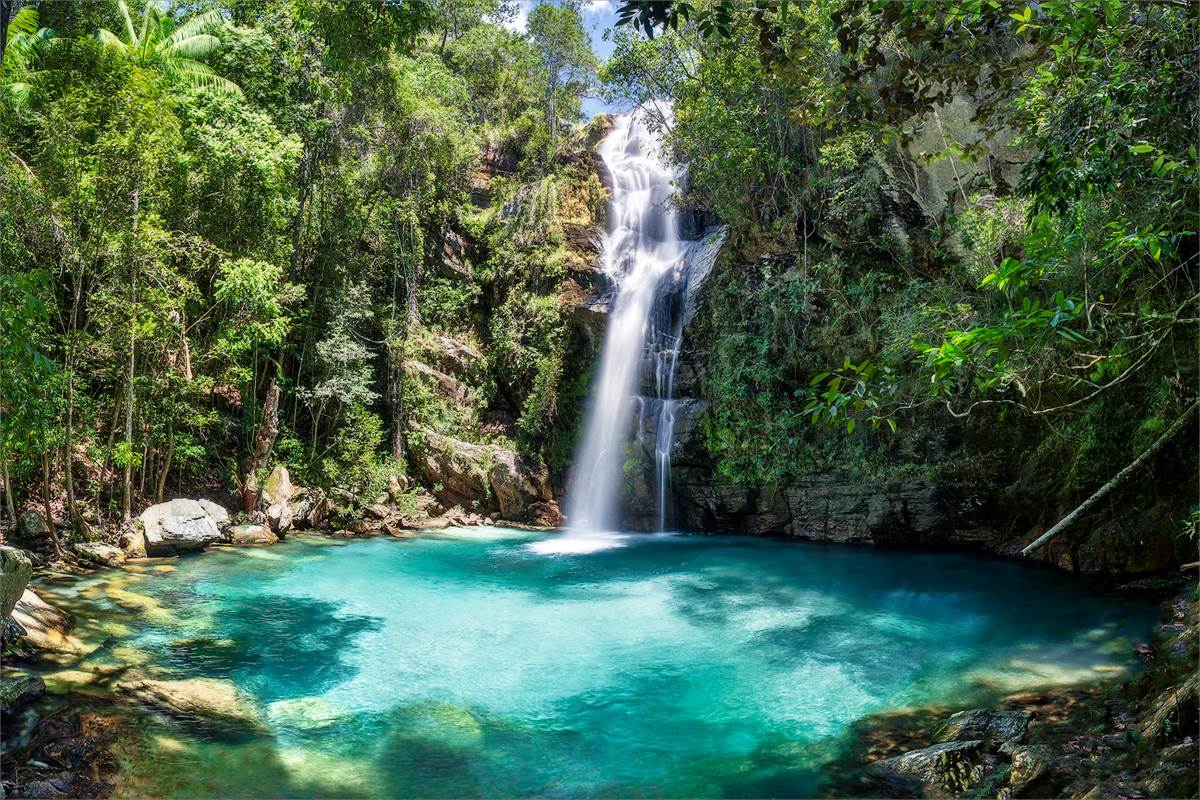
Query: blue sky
[(598, 17)]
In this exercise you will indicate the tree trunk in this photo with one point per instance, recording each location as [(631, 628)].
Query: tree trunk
[(161, 486), (6, 9), (1115, 482), (395, 396), (268, 429), (10, 500), (127, 494), (46, 502)]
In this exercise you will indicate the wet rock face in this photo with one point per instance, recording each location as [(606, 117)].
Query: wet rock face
[(905, 512), (485, 477), (178, 526), (940, 770), (992, 726), (15, 571)]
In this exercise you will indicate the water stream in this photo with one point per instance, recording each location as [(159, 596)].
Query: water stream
[(648, 263)]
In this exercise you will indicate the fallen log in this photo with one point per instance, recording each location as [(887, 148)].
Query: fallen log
[(1120, 477)]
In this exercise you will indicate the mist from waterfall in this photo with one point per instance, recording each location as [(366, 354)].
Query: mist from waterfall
[(646, 261)]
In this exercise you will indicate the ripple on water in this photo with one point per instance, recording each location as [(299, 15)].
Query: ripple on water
[(501, 662)]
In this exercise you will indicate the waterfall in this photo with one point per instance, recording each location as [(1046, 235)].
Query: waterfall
[(646, 261)]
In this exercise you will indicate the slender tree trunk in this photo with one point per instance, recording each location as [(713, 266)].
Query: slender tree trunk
[(268, 429), (10, 499), (6, 9), (395, 396), (69, 446), (161, 486), (1117, 480), (127, 494), (47, 504)]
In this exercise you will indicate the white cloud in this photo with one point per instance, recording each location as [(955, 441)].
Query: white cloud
[(598, 7), (521, 20)]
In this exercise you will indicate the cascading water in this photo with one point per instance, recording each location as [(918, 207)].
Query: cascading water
[(647, 262)]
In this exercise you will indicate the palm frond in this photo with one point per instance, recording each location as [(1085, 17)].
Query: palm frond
[(130, 31), (110, 39), (199, 24), (192, 47), (193, 73), (148, 14), (24, 48), (24, 21), (18, 93)]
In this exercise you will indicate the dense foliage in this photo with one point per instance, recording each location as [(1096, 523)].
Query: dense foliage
[(982, 210), (203, 202)]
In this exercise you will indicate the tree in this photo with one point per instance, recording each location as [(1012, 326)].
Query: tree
[(567, 67), (157, 42)]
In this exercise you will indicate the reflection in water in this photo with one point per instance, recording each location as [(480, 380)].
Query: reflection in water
[(466, 664)]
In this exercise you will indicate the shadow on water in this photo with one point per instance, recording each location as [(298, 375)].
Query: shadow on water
[(277, 647)]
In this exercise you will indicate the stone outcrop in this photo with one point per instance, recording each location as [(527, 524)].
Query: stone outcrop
[(15, 571), (99, 554), (941, 770), (484, 478), (249, 534), (43, 626), (447, 385), (992, 726), (203, 700), (180, 525), (906, 512), (456, 358), (18, 692)]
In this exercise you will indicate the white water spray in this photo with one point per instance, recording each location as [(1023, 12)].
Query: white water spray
[(646, 260)]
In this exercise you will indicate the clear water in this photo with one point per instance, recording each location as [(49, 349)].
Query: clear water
[(467, 664)]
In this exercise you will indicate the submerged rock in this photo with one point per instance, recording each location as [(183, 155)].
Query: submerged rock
[(178, 526), (199, 699), (18, 692), (251, 534), (15, 571), (45, 627), (105, 555), (952, 767), (991, 725)]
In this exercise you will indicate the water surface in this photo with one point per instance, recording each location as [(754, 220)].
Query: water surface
[(469, 664)]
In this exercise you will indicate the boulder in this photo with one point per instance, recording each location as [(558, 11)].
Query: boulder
[(458, 357), (18, 692), (45, 626), (278, 487), (205, 700), (1030, 766), (452, 388), (218, 512), (952, 767), (178, 526), (104, 555), (32, 529), (277, 495), (280, 517), (251, 534), (15, 571), (992, 726)]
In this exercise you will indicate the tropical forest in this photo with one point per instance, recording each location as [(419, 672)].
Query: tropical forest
[(600, 399)]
